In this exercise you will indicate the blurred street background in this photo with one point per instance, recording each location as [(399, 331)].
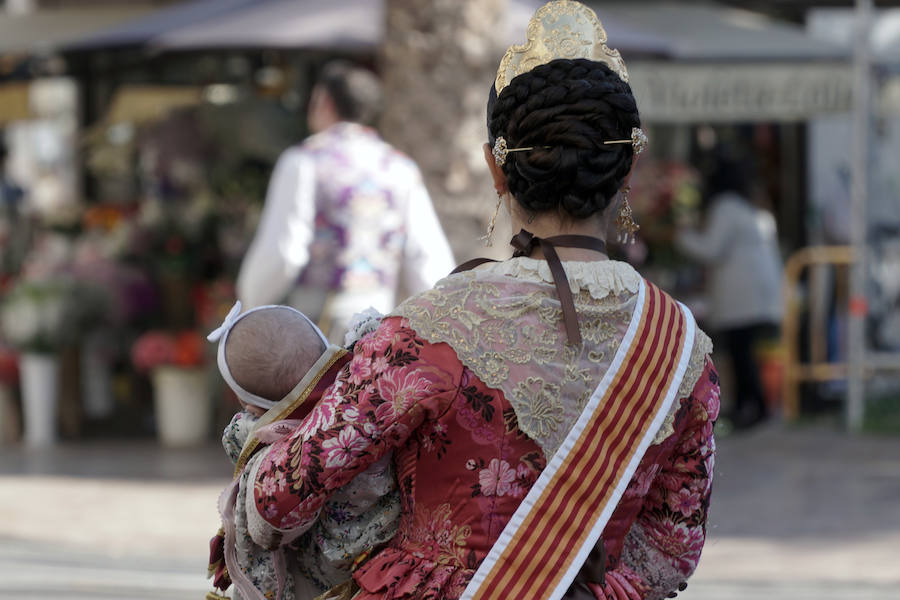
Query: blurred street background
[(137, 140)]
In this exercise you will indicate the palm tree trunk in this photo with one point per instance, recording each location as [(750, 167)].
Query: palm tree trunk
[(439, 58)]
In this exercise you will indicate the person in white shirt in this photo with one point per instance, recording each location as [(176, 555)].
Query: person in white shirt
[(739, 245), (347, 219)]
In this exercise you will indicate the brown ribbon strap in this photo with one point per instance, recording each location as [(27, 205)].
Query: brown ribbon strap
[(471, 264), (525, 244)]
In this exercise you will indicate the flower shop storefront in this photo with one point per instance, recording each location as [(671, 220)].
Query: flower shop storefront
[(759, 111), (110, 281)]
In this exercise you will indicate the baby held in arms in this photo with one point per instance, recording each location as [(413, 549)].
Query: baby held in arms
[(278, 362)]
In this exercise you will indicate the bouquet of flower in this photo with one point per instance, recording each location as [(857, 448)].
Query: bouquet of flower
[(184, 349), (44, 316)]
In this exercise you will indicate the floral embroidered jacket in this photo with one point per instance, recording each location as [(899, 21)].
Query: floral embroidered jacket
[(449, 385)]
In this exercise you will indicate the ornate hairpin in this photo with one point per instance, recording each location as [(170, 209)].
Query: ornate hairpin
[(501, 150), (638, 140)]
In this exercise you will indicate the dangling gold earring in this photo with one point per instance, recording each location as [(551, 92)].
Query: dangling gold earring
[(625, 220), (489, 238)]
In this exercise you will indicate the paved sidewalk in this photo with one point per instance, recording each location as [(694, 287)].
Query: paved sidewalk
[(797, 514)]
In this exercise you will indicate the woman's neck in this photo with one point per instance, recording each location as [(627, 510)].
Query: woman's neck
[(550, 225)]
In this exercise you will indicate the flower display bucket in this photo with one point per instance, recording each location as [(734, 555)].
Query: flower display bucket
[(182, 405), (40, 397)]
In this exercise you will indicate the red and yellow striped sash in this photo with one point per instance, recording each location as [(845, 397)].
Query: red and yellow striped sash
[(547, 540)]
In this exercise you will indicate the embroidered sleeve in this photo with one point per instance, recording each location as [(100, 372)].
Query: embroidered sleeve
[(236, 433), (663, 546), (394, 382)]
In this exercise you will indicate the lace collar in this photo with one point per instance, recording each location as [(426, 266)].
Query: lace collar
[(599, 278)]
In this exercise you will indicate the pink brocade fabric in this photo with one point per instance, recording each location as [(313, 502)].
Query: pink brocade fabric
[(463, 468)]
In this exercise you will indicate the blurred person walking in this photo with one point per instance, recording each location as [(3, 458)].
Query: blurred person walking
[(739, 245), (347, 219)]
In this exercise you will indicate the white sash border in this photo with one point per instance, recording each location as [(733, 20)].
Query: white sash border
[(558, 458)]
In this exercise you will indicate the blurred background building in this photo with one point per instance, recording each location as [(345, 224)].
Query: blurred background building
[(139, 138), (136, 142)]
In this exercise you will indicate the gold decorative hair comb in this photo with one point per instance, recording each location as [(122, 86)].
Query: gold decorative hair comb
[(501, 150), (560, 29)]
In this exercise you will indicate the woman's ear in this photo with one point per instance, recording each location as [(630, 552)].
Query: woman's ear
[(497, 173)]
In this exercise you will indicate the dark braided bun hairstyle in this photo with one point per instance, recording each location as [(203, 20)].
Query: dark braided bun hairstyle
[(571, 106)]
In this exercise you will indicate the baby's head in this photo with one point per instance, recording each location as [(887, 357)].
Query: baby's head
[(270, 350)]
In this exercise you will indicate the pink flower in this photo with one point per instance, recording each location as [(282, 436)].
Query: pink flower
[(360, 369), (377, 341), (523, 482), (400, 390), (352, 414), (340, 450), (268, 485), (322, 416), (681, 542), (669, 480), (280, 480), (365, 395), (684, 501), (278, 454), (271, 511), (380, 364), (640, 483), (303, 514), (497, 479)]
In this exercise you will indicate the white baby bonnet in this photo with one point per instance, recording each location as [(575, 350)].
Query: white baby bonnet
[(220, 335)]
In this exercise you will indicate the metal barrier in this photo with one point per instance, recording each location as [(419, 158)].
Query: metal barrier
[(794, 372)]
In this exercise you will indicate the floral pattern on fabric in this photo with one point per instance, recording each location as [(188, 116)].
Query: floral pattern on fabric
[(360, 229), (261, 568), (412, 398), (463, 466), (361, 515), (547, 381), (378, 400), (236, 434), (657, 531)]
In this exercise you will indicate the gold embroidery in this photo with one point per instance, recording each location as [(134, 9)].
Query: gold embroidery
[(701, 349), (508, 330), (543, 414)]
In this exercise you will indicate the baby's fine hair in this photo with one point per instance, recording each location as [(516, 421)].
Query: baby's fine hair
[(269, 351)]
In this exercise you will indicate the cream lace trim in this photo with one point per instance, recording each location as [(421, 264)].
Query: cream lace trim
[(598, 278), (702, 348), (504, 322), (508, 330)]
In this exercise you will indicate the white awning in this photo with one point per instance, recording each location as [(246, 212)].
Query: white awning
[(51, 29), (354, 25), (708, 32)]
